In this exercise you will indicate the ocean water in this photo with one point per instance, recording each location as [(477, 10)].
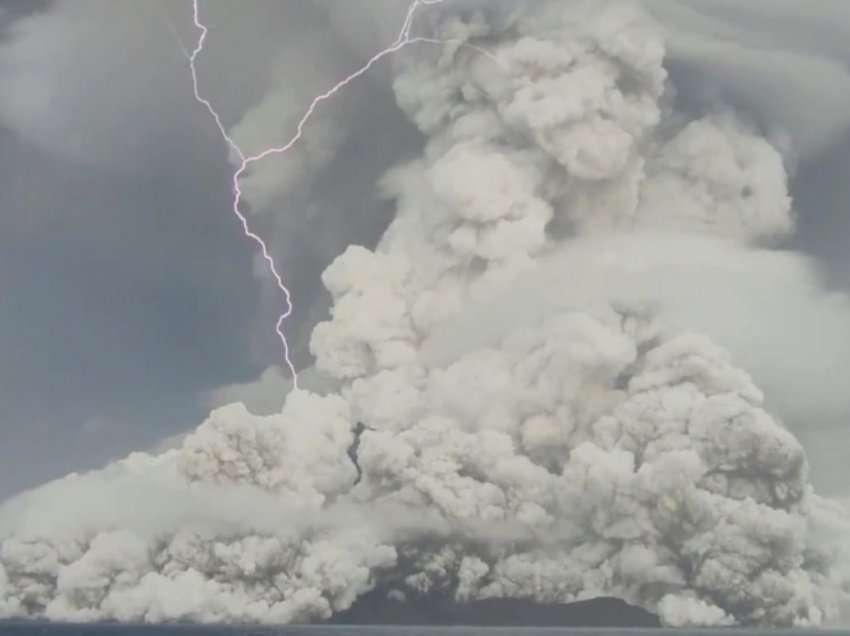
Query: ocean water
[(45, 629)]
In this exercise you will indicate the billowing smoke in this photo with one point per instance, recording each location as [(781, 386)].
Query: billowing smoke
[(531, 350)]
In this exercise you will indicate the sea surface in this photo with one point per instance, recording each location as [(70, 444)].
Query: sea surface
[(45, 629)]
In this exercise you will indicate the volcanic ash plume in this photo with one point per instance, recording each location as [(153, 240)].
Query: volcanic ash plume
[(533, 430)]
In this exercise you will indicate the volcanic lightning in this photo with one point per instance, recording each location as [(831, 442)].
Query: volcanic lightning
[(245, 160), (597, 440)]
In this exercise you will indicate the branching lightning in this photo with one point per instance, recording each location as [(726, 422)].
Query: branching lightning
[(246, 161)]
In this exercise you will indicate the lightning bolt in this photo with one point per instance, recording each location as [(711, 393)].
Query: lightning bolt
[(245, 160)]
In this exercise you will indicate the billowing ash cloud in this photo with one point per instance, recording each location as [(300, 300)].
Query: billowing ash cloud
[(546, 417)]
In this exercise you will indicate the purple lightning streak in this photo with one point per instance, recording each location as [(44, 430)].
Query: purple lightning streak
[(401, 41)]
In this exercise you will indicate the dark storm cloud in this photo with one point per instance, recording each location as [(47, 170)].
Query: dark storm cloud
[(783, 64)]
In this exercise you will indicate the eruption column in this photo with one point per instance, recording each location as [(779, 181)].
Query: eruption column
[(401, 41)]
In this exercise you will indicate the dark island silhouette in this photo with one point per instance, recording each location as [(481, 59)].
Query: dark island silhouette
[(380, 608)]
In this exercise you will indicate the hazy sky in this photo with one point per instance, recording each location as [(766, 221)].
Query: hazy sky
[(127, 291)]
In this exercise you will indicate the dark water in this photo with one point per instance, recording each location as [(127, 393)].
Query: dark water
[(43, 629)]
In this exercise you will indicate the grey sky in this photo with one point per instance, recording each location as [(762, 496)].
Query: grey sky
[(123, 295), (127, 291)]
